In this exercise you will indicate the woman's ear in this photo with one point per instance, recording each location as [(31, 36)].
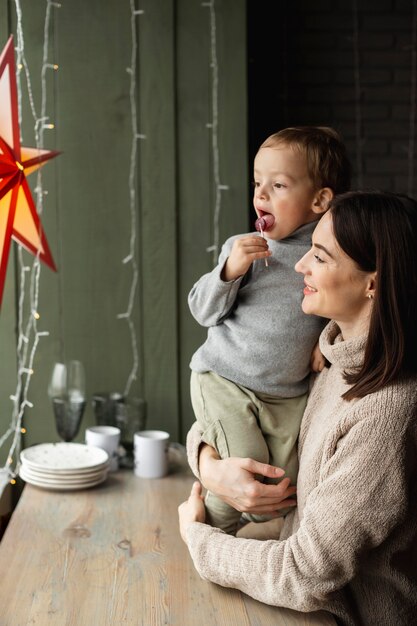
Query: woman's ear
[(322, 199), (371, 285)]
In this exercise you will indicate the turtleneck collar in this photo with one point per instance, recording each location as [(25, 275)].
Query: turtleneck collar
[(345, 354), (301, 235)]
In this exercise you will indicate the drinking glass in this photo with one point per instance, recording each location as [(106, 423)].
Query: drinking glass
[(76, 381), (67, 392), (130, 418)]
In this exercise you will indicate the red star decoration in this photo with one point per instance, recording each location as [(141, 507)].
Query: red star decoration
[(18, 216)]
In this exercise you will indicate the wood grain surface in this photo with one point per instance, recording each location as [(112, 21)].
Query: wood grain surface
[(113, 555)]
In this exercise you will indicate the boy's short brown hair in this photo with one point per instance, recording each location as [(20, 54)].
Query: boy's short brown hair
[(327, 160)]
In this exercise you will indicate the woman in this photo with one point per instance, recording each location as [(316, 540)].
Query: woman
[(350, 546)]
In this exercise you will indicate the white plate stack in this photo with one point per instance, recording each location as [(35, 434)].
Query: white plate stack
[(64, 466)]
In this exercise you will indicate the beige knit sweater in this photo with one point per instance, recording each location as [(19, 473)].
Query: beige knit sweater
[(350, 547)]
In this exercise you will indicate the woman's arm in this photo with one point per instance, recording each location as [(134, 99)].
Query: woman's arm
[(234, 481), (340, 524)]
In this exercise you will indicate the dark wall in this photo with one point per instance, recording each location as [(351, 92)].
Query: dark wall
[(350, 65)]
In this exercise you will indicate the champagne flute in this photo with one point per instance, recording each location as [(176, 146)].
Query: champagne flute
[(58, 382), (75, 381), (67, 391)]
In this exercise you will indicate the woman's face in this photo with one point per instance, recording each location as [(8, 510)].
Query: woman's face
[(334, 286)]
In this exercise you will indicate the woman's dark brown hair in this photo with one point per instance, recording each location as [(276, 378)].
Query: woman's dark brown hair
[(378, 230)]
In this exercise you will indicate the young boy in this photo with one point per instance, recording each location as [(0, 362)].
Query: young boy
[(249, 379)]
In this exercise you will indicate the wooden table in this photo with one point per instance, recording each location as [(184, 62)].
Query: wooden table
[(112, 555)]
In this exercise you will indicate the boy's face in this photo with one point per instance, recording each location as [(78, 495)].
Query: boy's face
[(284, 189)]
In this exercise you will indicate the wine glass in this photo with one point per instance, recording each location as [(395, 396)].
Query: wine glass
[(67, 392), (57, 384)]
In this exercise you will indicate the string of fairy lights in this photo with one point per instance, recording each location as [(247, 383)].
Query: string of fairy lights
[(29, 332), (214, 126), (131, 258)]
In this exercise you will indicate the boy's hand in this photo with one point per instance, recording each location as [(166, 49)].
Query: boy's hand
[(317, 360), (244, 252)]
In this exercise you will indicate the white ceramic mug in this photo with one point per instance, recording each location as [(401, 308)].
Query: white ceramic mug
[(151, 453), (107, 438)]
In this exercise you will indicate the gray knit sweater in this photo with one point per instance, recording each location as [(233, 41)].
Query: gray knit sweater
[(350, 547), (258, 335)]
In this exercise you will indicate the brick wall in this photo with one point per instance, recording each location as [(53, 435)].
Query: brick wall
[(347, 64)]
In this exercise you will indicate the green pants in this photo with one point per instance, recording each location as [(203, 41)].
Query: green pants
[(239, 423)]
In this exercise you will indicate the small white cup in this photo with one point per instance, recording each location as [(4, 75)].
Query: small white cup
[(151, 453), (107, 438)]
